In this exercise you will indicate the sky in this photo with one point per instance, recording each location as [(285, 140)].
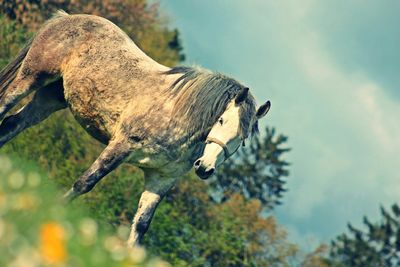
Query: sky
[(330, 69)]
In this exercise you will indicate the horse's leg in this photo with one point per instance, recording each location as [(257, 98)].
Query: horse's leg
[(155, 189), (113, 155), (20, 87), (46, 101)]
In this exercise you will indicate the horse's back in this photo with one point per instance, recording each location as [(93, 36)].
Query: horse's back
[(102, 68), (65, 39)]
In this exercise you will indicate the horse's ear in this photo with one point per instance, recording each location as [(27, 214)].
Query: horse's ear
[(263, 110), (242, 95)]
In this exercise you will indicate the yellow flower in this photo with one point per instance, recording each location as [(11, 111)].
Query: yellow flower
[(52, 243)]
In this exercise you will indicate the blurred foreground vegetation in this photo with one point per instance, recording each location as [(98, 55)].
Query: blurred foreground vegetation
[(37, 229)]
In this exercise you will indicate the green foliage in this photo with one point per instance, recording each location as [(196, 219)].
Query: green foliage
[(36, 229), (318, 258), (12, 36), (376, 245), (256, 172), (191, 230)]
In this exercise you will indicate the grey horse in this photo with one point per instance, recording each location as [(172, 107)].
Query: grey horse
[(163, 120)]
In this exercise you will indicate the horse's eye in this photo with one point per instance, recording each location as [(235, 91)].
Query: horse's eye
[(221, 121)]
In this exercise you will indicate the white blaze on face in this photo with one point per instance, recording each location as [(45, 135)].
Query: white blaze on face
[(226, 130)]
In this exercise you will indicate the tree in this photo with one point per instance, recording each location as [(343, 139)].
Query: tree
[(317, 258), (12, 36), (376, 245), (190, 229), (256, 172)]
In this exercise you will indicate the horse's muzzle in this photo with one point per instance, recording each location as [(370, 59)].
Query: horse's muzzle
[(201, 171)]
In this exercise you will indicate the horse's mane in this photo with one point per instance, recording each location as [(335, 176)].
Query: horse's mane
[(202, 96)]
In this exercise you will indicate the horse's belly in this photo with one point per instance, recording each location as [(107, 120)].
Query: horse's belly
[(86, 104), (163, 161), (148, 158)]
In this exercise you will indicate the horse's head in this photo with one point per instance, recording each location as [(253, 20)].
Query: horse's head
[(226, 136)]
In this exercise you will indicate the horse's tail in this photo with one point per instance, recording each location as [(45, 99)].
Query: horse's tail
[(8, 74)]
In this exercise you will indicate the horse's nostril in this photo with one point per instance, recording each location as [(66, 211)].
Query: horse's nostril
[(197, 163), (202, 171), (210, 171)]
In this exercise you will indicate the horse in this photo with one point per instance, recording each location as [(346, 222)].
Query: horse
[(163, 120)]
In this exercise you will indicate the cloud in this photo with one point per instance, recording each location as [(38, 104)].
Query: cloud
[(352, 156), (362, 35)]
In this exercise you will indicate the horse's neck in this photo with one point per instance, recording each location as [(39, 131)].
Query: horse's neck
[(155, 106)]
